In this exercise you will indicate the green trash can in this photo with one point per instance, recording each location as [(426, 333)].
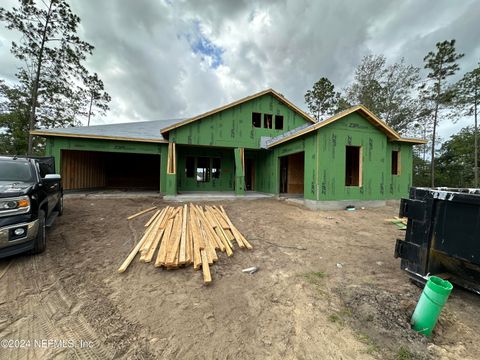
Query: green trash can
[(433, 298)]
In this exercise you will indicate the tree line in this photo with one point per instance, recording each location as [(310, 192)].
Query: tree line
[(53, 87), (414, 106)]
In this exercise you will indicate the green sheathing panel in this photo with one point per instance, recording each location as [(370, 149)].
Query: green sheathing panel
[(399, 185), (233, 127), (377, 181), (226, 181), (324, 179), (54, 146)]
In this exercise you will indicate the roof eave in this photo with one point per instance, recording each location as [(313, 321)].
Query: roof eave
[(100, 137), (411, 140)]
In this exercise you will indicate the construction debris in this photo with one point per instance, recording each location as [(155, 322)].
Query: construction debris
[(400, 222), (188, 235)]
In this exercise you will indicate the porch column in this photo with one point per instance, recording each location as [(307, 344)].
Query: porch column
[(171, 186), (239, 171)]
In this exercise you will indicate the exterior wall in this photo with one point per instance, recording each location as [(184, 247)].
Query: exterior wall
[(233, 127), (325, 163), (54, 146)]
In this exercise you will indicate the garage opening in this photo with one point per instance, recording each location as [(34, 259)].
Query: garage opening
[(292, 169), (106, 170)]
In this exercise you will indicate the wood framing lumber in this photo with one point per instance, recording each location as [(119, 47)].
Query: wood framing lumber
[(149, 222), (238, 235), (216, 243), (163, 245), (207, 277), (234, 231), (154, 228), (149, 254), (131, 256), (182, 256), (225, 232), (219, 231), (228, 249), (174, 241), (141, 213)]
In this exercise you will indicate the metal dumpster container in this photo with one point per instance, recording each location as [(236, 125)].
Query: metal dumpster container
[(442, 236)]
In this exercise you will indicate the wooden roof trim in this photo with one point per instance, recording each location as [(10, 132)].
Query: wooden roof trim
[(87, 136), (392, 134), (238, 102), (411, 140)]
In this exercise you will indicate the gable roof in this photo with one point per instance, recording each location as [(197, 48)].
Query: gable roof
[(272, 92), (142, 131), (372, 118)]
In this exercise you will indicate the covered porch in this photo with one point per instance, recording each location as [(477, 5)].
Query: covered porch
[(214, 172)]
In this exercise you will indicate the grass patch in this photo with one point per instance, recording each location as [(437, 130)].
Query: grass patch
[(372, 347), (314, 277), (404, 353), (335, 318)]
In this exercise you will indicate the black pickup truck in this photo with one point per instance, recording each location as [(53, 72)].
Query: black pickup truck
[(31, 197)]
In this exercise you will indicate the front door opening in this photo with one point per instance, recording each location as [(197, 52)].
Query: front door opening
[(353, 166), (292, 170)]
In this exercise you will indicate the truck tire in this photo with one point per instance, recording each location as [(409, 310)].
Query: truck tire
[(40, 242), (59, 207)]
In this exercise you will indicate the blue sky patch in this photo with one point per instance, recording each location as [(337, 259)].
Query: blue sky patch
[(203, 46)]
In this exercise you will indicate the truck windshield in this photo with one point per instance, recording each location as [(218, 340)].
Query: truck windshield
[(15, 171)]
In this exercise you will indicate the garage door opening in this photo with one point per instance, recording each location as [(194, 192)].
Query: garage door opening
[(292, 177), (83, 170)]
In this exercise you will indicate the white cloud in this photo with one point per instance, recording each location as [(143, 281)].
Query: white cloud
[(145, 58)]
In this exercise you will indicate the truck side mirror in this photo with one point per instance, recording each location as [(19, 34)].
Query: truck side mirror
[(52, 177)]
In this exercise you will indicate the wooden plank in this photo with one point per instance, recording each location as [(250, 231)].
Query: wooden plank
[(141, 213), (154, 216), (212, 235), (174, 242), (151, 251), (207, 277), (182, 256), (233, 230), (154, 229), (238, 235), (214, 225), (224, 239), (189, 247), (163, 245), (225, 232), (131, 256), (197, 260)]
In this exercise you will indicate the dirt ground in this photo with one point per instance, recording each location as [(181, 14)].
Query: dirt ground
[(328, 287)]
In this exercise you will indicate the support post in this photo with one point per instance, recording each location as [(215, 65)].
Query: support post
[(171, 185), (239, 171)]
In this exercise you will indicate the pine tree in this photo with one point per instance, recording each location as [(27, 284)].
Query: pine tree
[(322, 99), (52, 56), (442, 64), (468, 100)]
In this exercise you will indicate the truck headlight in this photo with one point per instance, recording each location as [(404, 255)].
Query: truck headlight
[(13, 206)]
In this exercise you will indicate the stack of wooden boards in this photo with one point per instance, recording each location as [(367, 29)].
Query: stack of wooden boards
[(186, 235), (400, 222)]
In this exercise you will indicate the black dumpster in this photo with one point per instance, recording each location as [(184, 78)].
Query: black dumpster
[(442, 236)]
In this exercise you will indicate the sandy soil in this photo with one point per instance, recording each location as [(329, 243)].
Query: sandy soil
[(328, 288)]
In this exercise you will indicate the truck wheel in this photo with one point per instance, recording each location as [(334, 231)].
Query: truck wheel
[(59, 206), (41, 240)]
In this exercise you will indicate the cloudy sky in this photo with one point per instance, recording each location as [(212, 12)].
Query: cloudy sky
[(172, 59)]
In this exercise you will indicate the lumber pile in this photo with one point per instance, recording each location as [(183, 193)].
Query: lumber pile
[(187, 235), (400, 222)]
